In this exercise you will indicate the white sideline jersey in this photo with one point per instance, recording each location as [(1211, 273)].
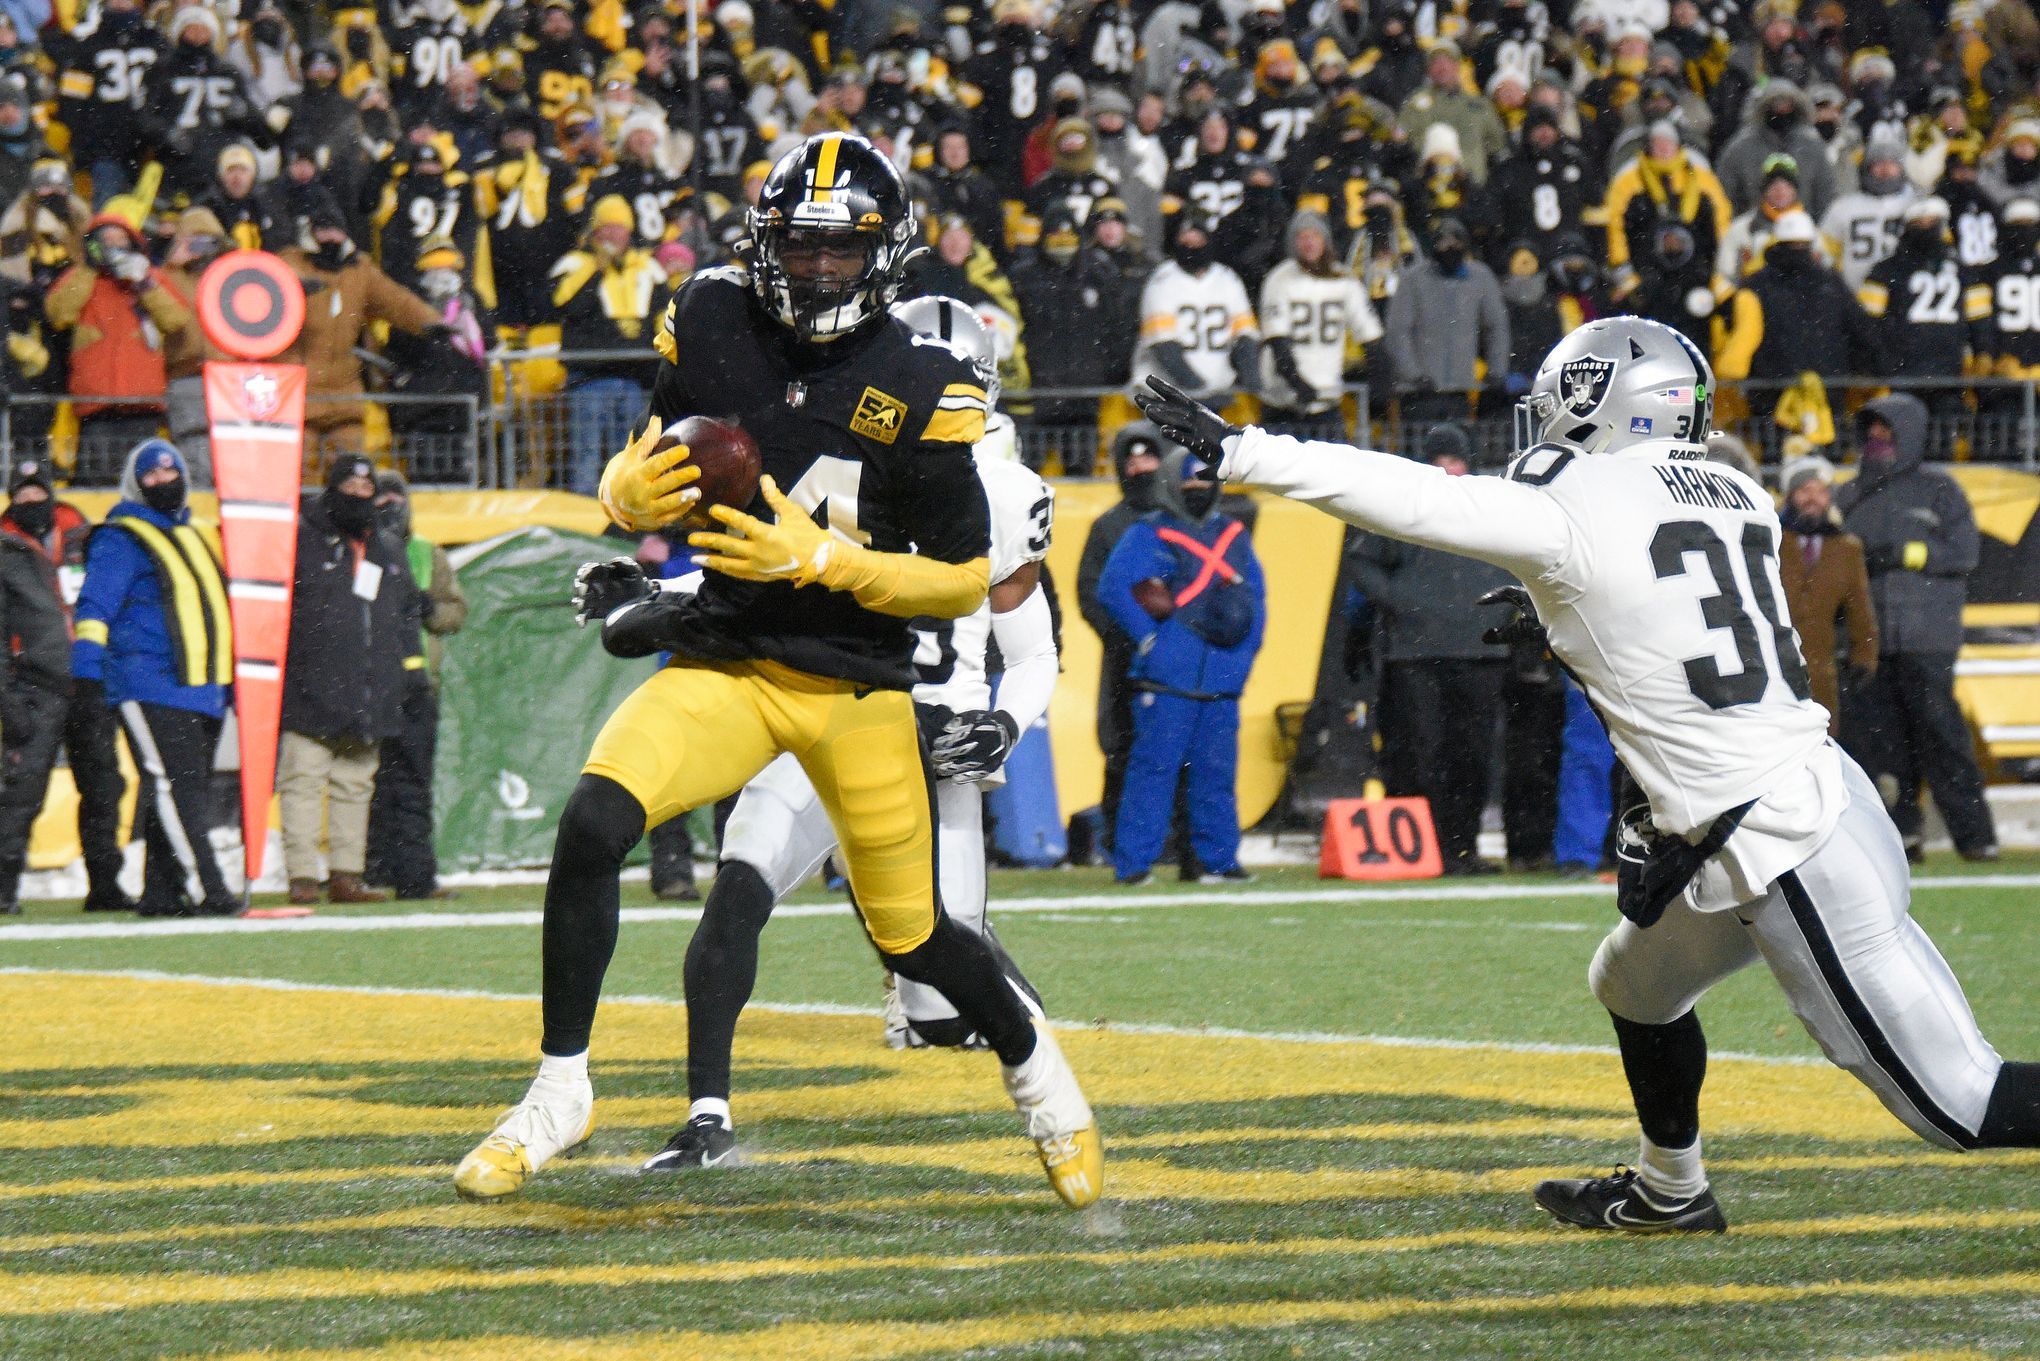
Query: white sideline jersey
[(1655, 574), (1203, 313), (949, 654), (1315, 313)]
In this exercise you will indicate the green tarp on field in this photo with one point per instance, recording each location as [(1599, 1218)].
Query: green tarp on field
[(522, 695)]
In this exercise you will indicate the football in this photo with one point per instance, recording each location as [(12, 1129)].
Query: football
[(727, 456)]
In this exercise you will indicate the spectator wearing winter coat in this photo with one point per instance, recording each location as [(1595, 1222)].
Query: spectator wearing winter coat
[(42, 563), (1864, 224), (1184, 585), (1444, 99), (1920, 544), (119, 310), (2013, 169), (199, 241), (1133, 160), (353, 650), (1441, 686), (962, 188), (1827, 589), (1073, 304), (608, 295), (21, 142), (345, 293), (400, 852), (1675, 284), (153, 641), (1777, 118), (1668, 182), (1795, 315), (1447, 327), (1137, 461)]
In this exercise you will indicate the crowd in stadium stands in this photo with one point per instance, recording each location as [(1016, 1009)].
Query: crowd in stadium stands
[(1266, 202), (1245, 195)]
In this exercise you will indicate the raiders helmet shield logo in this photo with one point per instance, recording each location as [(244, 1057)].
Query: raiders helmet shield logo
[(1583, 384)]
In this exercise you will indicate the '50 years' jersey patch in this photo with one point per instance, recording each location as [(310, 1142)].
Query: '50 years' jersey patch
[(878, 416)]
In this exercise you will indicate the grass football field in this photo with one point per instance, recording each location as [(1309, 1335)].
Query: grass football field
[(1324, 1107)]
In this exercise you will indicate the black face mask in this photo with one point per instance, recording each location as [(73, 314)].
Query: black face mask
[(268, 32), (395, 517), (1798, 522), (165, 498), (2019, 240), (353, 516), (1199, 498), (1920, 240), (1192, 258), (1791, 259), (1781, 123), (1449, 257), (332, 254), (1139, 489), (37, 517)]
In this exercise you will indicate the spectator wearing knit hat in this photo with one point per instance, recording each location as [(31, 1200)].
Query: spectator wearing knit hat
[(1777, 117), (353, 648), (1131, 159), (1794, 315), (194, 104), (1447, 327), (1827, 589), (607, 295), (199, 241), (1864, 224), (231, 198), (1312, 311)]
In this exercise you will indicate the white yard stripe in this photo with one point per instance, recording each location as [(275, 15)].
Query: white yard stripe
[(1320, 1037), (1121, 901)]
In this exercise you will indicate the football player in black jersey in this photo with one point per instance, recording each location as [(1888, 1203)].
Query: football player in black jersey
[(797, 640)]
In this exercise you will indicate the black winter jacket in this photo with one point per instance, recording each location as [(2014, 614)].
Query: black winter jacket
[(351, 659)]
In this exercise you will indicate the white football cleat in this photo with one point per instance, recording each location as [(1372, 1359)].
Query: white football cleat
[(898, 1034), (1059, 1121), (555, 1117)]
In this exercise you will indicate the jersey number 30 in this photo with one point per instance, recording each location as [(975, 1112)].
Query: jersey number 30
[(1727, 610)]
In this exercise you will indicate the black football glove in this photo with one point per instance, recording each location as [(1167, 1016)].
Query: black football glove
[(1522, 626), (1186, 420), (599, 587), (973, 744)]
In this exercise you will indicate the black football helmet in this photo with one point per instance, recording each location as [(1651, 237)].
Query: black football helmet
[(832, 185)]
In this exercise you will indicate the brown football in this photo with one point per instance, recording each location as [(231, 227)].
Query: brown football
[(727, 456)]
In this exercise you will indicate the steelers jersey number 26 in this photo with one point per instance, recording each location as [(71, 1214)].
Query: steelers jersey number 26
[(1685, 547)]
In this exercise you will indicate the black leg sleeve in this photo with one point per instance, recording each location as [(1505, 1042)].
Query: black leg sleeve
[(601, 822), (958, 964), (1665, 1065), (722, 968), (2012, 1120)]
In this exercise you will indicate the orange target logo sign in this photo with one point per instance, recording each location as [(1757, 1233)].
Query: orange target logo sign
[(251, 304)]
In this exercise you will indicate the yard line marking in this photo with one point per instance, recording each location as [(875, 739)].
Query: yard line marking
[(1506, 1182), (884, 1339), (1119, 901), (1323, 1037), (28, 1294)]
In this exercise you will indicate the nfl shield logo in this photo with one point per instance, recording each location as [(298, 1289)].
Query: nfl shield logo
[(1583, 384), (260, 392)]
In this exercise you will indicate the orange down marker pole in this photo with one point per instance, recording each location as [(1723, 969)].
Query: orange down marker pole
[(252, 306)]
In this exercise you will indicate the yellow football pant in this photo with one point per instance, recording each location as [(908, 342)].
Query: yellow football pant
[(697, 732)]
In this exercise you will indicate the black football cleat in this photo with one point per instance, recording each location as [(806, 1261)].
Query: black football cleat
[(703, 1141), (1620, 1202)]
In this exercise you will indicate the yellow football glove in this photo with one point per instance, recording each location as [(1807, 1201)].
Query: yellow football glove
[(642, 494), (795, 549)]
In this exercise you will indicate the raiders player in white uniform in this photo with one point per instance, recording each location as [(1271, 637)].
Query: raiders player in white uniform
[(1654, 574), (779, 834)]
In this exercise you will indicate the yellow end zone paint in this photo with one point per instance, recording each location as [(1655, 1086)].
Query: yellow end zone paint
[(876, 1341)]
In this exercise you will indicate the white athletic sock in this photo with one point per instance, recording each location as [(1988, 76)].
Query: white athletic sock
[(1029, 1080), (569, 1068), (711, 1105), (1671, 1174)]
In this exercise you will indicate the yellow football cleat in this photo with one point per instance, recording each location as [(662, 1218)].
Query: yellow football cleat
[(1075, 1164), (1059, 1121), (553, 1120)]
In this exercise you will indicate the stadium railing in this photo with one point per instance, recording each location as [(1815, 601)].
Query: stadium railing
[(437, 440), (526, 435)]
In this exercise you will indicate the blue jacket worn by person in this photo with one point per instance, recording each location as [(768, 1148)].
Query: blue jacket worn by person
[(1204, 646), (151, 622), (1185, 586)]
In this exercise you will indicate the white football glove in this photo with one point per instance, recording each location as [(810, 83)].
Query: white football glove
[(972, 745)]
